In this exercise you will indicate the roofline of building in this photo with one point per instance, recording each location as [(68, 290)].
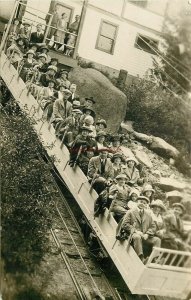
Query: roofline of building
[(121, 18)]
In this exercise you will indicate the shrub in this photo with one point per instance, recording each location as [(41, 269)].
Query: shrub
[(26, 203)]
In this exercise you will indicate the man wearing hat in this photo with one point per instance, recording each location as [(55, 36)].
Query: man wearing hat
[(175, 234), (80, 145), (118, 193), (25, 31), (62, 108), (73, 87), (115, 139), (89, 102), (37, 37), (140, 220), (100, 140), (100, 167), (70, 127)]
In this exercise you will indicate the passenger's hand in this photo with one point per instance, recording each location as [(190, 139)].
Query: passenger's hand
[(145, 236), (139, 232)]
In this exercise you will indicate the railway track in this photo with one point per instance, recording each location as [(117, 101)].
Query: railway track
[(87, 277)]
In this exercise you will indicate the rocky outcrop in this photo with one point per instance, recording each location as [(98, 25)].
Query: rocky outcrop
[(163, 148), (142, 157), (111, 103), (170, 184)]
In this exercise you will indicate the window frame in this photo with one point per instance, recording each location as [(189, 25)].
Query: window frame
[(99, 34), (149, 38)]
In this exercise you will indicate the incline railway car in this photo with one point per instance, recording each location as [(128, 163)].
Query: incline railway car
[(169, 275)]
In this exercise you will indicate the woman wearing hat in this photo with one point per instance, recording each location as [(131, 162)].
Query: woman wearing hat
[(47, 98), (157, 211), (117, 160), (44, 50), (148, 191), (100, 140), (174, 235), (133, 196), (87, 112), (101, 124), (131, 171), (49, 75), (16, 51), (13, 31), (27, 65), (89, 102), (63, 79), (89, 121), (115, 143)]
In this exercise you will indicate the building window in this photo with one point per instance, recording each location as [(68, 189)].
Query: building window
[(147, 44), (141, 3), (107, 37)]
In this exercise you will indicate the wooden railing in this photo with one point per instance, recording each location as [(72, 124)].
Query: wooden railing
[(170, 259)]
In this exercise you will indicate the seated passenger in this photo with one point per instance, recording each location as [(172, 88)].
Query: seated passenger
[(87, 112), (70, 127), (62, 108), (53, 62), (63, 79), (174, 234), (100, 167), (115, 140), (101, 125), (131, 171), (138, 221), (76, 104), (41, 65), (27, 65), (84, 160), (100, 141), (117, 160), (47, 98), (13, 31), (80, 145), (133, 196), (148, 191), (89, 102), (37, 37), (89, 121), (16, 51), (73, 87), (25, 31), (44, 50), (119, 193), (157, 210), (49, 75)]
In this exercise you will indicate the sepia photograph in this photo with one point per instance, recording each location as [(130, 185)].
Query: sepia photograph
[(95, 118)]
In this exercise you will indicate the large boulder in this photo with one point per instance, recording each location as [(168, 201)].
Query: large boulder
[(163, 148), (111, 103)]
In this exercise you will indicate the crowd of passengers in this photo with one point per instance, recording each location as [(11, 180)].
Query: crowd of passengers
[(104, 158)]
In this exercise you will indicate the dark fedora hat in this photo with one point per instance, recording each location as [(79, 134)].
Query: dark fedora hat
[(90, 99)]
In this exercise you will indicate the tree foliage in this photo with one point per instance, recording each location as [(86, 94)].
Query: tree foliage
[(157, 112), (26, 202)]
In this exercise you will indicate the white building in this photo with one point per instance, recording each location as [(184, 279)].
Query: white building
[(111, 31)]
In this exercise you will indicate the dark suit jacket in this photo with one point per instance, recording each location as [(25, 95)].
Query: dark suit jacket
[(146, 225), (95, 166), (36, 39), (174, 228)]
